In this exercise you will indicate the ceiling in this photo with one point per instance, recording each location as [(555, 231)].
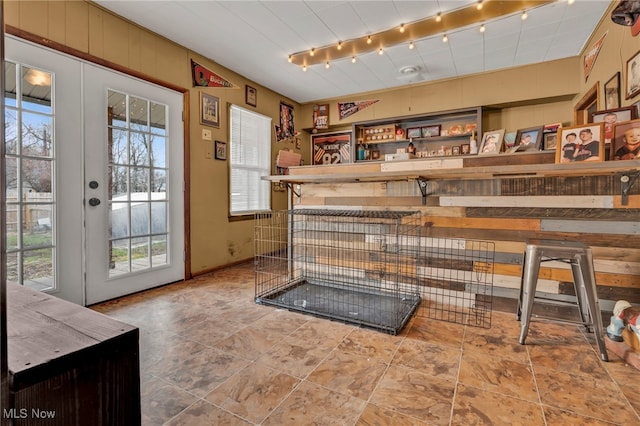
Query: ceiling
[(255, 38)]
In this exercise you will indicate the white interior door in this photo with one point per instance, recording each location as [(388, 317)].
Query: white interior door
[(133, 186)]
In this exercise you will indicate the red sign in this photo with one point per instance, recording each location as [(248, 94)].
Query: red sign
[(204, 77)]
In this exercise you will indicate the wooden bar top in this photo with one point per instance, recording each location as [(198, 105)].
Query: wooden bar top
[(42, 329), (451, 168)]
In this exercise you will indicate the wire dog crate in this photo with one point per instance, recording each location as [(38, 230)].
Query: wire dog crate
[(456, 280), (358, 266)]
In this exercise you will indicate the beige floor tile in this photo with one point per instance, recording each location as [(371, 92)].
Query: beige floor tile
[(434, 360), (311, 404), (362, 377), (371, 344), (253, 392), (203, 413)]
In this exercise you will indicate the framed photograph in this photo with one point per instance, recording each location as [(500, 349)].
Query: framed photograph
[(414, 132), (250, 95), (430, 131), (625, 144), (633, 76), (509, 139), (611, 117), (321, 116), (551, 128), (529, 139), (612, 92), (209, 110), (491, 142), (221, 150), (549, 141), (455, 150), (287, 123), (580, 143), (465, 149), (333, 148)]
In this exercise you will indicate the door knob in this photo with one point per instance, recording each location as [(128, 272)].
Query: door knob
[(93, 184), (94, 201)]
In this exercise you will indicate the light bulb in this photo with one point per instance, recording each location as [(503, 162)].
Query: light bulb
[(439, 17), (401, 28), (339, 45), (479, 5), (304, 68), (380, 51), (353, 59), (369, 40), (327, 65), (524, 15), (445, 38), (482, 28), (571, 1), (411, 45), (290, 59), (313, 52)]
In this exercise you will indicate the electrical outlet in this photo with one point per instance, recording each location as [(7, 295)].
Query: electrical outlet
[(206, 134), (209, 151)]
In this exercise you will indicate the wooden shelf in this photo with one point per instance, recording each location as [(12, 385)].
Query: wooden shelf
[(428, 169)]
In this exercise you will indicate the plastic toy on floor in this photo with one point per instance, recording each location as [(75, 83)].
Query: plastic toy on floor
[(623, 332)]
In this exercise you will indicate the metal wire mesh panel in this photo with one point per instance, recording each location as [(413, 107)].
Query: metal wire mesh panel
[(357, 266), (456, 280)]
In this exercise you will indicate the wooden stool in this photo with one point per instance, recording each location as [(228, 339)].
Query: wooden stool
[(579, 257)]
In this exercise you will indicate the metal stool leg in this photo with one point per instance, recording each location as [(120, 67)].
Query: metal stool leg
[(531, 268), (589, 286), (519, 309), (579, 288)]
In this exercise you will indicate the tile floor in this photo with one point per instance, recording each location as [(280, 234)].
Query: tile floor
[(210, 356)]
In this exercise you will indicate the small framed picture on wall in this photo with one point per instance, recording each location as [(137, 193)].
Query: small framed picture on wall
[(633, 76), (221, 150), (250, 95), (612, 92), (209, 110)]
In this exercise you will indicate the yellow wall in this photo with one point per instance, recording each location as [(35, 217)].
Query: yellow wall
[(550, 89), (616, 50), (215, 241)]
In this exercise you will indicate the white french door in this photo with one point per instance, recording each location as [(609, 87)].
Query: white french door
[(134, 210), (94, 177)]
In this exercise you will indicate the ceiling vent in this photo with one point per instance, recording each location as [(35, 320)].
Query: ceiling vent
[(410, 74)]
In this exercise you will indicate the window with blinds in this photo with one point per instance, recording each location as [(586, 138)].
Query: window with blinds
[(250, 159)]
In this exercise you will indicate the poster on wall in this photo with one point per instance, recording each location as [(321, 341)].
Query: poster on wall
[(287, 124), (331, 148), (345, 109), (321, 116), (204, 77)]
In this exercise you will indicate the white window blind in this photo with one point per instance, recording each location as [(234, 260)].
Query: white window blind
[(250, 159)]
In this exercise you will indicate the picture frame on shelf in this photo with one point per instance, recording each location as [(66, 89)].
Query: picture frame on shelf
[(491, 142), (529, 139), (509, 139), (625, 144), (431, 131), (551, 128), (455, 150), (610, 117), (633, 76), (414, 132), (209, 110), (612, 92), (580, 143), (220, 150), (550, 141), (250, 95), (465, 149)]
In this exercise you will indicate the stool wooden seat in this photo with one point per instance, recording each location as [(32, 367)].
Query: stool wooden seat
[(579, 256)]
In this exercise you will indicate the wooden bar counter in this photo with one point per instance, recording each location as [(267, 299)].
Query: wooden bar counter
[(505, 199), (69, 365)]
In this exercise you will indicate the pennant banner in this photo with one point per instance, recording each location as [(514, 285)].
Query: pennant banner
[(345, 109), (204, 77), (591, 56)]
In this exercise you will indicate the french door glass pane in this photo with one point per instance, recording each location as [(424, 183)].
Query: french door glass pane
[(138, 181), (30, 170)]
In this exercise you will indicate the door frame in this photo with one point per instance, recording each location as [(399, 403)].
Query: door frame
[(185, 118)]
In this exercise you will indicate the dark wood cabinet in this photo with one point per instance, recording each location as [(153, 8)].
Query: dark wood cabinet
[(69, 365)]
